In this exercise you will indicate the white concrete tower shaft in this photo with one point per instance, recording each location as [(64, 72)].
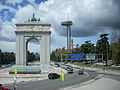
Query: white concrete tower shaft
[(68, 25)]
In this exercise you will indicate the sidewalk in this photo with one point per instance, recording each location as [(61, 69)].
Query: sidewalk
[(100, 84)]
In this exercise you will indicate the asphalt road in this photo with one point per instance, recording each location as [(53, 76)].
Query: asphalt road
[(70, 80)]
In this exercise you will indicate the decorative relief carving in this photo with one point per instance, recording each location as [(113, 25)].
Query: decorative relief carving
[(40, 28), (46, 28), (33, 28)]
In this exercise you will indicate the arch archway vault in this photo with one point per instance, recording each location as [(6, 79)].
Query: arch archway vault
[(33, 29)]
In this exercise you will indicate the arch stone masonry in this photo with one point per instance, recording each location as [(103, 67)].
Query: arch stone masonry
[(32, 30)]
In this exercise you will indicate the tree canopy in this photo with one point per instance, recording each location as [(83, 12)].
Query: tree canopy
[(102, 46)]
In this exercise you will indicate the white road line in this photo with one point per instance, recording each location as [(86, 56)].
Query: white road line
[(86, 74)]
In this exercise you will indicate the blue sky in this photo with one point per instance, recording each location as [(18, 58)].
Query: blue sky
[(90, 19)]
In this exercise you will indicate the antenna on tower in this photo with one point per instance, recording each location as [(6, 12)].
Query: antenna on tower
[(68, 24), (67, 16)]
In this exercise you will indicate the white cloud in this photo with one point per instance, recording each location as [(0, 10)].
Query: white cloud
[(7, 31), (7, 46), (0, 24), (86, 15), (57, 41), (13, 1), (7, 7), (31, 1), (24, 13), (33, 47), (82, 13), (89, 17), (3, 7)]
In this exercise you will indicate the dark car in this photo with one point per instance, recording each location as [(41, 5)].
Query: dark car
[(69, 68), (81, 71), (53, 76), (57, 65), (70, 71), (65, 62)]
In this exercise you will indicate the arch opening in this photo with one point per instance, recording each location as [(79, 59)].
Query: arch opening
[(33, 52)]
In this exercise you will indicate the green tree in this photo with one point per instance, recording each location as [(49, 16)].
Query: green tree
[(37, 57), (87, 47), (53, 56), (6, 58), (115, 48), (0, 56), (76, 49), (12, 56), (30, 57), (63, 48), (77, 46), (102, 47)]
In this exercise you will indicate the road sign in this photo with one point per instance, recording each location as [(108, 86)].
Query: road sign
[(15, 71), (77, 57), (90, 56), (63, 76)]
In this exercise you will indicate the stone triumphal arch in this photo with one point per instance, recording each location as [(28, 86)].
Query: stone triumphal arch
[(32, 29)]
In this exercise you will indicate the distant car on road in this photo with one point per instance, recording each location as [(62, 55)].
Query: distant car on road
[(53, 76), (69, 67), (81, 71), (51, 64), (65, 62), (57, 65), (70, 71)]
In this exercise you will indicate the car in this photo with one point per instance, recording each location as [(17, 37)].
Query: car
[(81, 71), (53, 76), (57, 65), (65, 62), (70, 71), (69, 67), (51, 64)]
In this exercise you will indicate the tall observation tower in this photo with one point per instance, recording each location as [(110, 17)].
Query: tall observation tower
[(68, 25)]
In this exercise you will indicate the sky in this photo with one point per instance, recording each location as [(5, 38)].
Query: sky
[(90, 19)]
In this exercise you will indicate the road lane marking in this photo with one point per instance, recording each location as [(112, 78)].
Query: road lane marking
[(86, 74)]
